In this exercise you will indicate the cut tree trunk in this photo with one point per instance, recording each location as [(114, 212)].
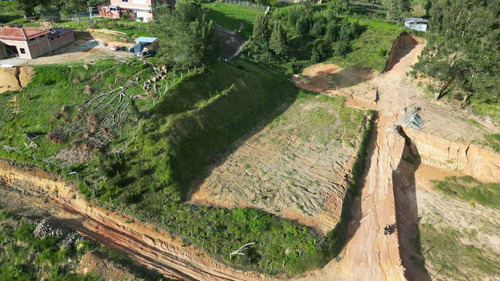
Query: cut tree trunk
[(445, 86)]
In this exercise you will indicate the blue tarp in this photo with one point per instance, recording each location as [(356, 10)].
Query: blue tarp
[(137, 49)]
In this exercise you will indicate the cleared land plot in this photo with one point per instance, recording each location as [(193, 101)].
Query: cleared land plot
[(296, 167), (455, 225)]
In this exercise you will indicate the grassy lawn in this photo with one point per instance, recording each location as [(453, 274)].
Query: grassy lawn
[(469, 189), (230, 16)]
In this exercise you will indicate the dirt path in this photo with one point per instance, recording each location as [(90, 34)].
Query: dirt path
[(388, 194)]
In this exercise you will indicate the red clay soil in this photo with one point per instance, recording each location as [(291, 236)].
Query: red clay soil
[(143, 243)]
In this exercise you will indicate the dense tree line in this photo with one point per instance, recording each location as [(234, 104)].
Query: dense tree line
[(302, 34), (186, 35), (463, 50)]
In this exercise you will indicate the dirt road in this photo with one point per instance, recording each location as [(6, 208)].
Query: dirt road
[(388, 193)]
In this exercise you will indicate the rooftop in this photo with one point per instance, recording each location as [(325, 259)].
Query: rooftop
[(20, 34), (145, 39)]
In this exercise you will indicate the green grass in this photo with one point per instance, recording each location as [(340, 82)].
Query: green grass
[(444, 251), (488, 109), (35, 107), (195, 121), (469, 189), (493, 140), (26, 257), (132, 29), (230, 16), (373, 46), (323, 120)]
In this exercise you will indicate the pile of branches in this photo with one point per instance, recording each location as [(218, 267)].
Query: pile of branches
[(99, 119), (161, 74)]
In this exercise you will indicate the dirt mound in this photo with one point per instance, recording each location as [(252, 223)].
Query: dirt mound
[(15, 78), (26, 73), (9, 80), (297, 167), (482, 164)]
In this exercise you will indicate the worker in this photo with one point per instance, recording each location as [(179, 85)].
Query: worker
[(388, 229)]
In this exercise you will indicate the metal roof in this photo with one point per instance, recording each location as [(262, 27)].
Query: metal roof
[(420, 20), (146, 39)]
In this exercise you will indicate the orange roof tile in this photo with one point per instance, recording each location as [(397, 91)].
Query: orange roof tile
[(20, 34)]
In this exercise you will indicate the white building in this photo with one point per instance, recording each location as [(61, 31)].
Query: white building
[(416, 24)]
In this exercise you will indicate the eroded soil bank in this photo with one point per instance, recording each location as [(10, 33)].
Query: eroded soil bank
[(146, 245), (15, 78)]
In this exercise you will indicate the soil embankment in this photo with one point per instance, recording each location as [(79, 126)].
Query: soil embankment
[(140, 241), (15, 78), (471, 160)]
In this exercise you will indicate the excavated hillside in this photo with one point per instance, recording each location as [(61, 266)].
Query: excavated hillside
[(297, 167), (447, 140), (387, 196)]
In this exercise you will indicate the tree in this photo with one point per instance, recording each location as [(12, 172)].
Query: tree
[(396, 8), (303, 25), (261, 32), (338, 7), (277, 43), (462, 51), (29, 6), (186, 34)]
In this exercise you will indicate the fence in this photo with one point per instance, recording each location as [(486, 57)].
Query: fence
[(246, 4)]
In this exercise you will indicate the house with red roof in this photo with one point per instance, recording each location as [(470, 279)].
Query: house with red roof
[(32, 43), (132, 9)]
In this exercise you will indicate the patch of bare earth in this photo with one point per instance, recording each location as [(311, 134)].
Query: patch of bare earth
[(477, 225), (296, 167), (389, 193), (96, 262)]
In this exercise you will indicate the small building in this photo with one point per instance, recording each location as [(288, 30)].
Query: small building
[(32, 43), (132, 9), (416, 24)]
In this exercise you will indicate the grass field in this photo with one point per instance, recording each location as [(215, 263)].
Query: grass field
[(162, 150), (38, 107), (231, 16), (373, 46), (26, 257), (469, 189), (445, 251)]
